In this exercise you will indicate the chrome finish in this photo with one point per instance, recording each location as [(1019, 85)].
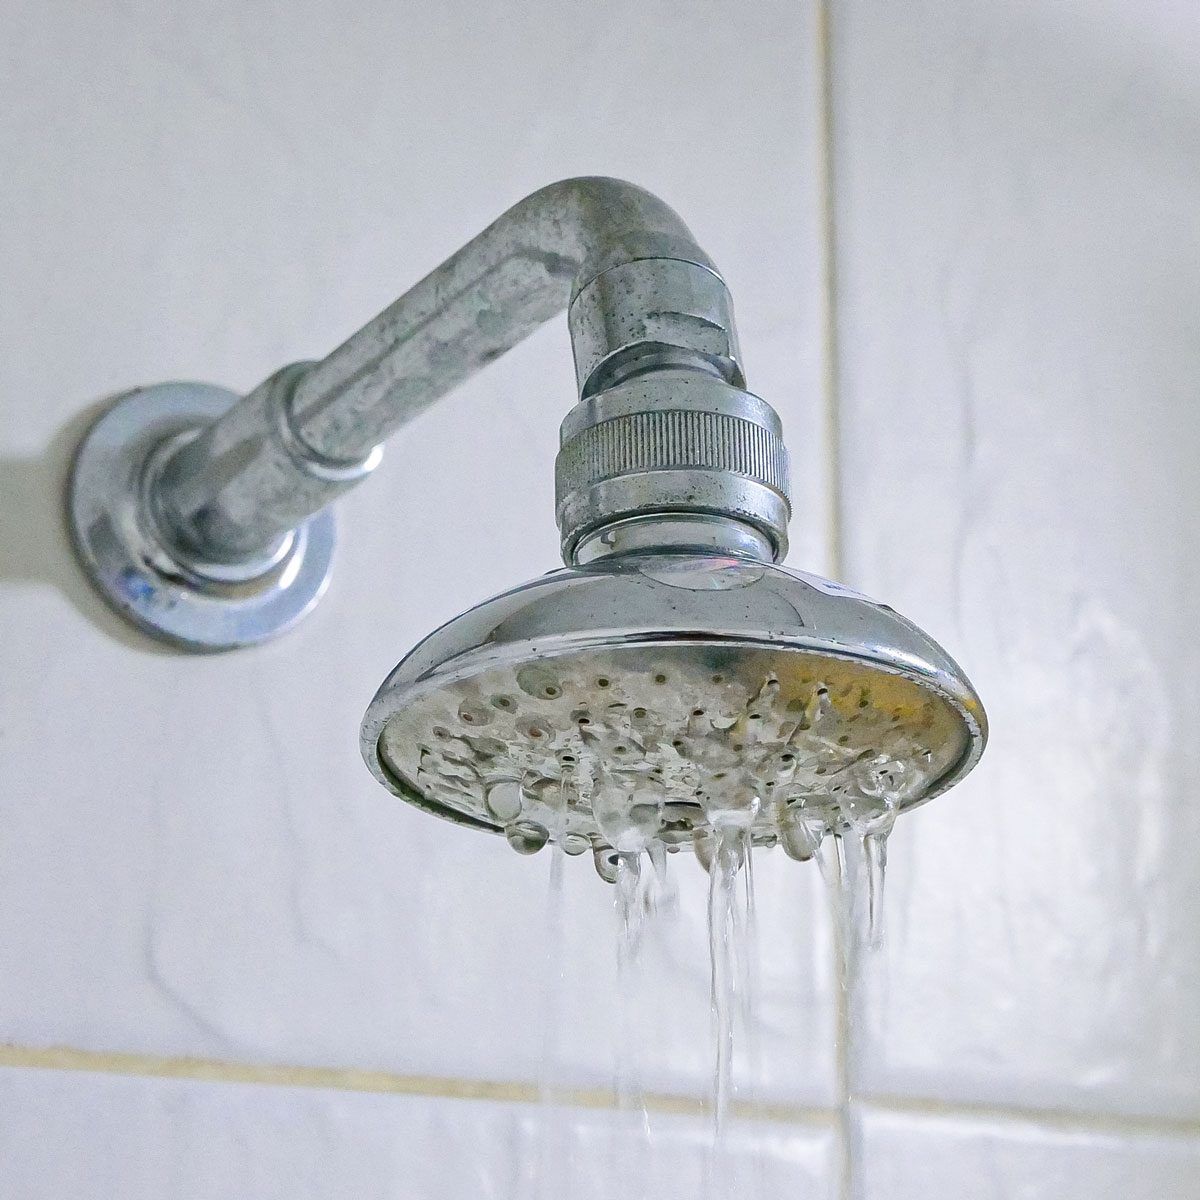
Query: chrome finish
[(645, 303), (672, 441), (630, 315), (248, 478), (672, 680), (674, 533), (648, 672), (177, 596), (517, 274)]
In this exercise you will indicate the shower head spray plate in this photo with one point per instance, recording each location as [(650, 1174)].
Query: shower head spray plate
[(661, 697)]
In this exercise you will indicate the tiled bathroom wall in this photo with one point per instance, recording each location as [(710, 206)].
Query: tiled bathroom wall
[(962, 238)]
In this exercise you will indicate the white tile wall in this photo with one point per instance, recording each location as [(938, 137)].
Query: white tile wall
[(909, 1157), (1019, 319), (65, 1136), (192, 857)]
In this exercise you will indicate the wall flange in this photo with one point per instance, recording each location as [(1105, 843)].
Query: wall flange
[(176, 597)]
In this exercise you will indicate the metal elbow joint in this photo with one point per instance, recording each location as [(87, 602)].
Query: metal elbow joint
[(203, 517)]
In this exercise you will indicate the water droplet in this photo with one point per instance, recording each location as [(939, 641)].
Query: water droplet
[(875, 853), (527, 837), (448, 769), (801, 834), (628, 816), (731, 805), (765, 697), (486, 747), (503, 800), (663, 895), (606, 860), (731, 847), (575, 843)]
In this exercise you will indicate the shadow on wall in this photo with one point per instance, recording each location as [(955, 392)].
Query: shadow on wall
[(35, 538)]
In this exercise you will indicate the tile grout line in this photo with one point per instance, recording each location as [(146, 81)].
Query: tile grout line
[(349, 1079), (204, 1070), (831, 434), (1058, 1120), (826, 205)]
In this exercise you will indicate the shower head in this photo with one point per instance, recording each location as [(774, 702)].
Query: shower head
[(672, 683), (663, 696)]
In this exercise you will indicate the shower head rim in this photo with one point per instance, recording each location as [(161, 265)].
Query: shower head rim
[(392, 698)]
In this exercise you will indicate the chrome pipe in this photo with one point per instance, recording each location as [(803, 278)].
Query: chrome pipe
[(204, 517), (312, 431)]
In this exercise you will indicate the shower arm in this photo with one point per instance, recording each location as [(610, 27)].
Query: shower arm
[(216, 505)]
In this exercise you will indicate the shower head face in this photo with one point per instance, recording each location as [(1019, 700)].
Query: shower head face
[(663, 697)]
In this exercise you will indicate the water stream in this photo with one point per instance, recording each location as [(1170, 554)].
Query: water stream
[(853, 864), (723, 956), (630, 754), (552, 1151), (632, 911)]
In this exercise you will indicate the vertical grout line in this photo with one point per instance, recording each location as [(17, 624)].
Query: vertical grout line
[(831, 435), (827, 203)]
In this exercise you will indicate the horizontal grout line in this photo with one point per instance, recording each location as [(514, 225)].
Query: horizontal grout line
[(1063, 1120), (207, 1070)]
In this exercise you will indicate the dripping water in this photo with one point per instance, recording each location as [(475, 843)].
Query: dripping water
[(631, 913), (722, 949), (552, 1141), (662, 896), (726, 949), (750, 1034), (874, 849), (642, 888), (853, 864), (748, 969), (552, 1150)]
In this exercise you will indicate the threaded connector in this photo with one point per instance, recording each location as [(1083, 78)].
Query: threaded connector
[(672, 442)]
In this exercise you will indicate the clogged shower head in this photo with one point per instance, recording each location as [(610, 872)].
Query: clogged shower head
[(666, 696)]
